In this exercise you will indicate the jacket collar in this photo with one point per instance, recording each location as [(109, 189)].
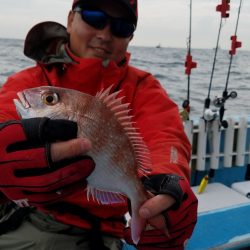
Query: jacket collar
[(105, 63), (89, 75)]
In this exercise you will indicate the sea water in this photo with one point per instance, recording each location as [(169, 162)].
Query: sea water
[(168, 66)]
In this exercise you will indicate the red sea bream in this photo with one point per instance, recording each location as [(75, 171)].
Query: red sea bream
[(118, 150)]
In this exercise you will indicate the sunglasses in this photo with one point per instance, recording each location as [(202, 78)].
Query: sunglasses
[(98, 19)]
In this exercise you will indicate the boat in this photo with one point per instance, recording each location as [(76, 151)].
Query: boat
[(221, 158), (220, 165), (224, 206)]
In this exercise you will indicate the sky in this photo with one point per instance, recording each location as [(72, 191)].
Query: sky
[(164, 22)]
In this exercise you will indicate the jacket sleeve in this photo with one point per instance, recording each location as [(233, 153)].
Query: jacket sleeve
[(160, 124), (28, 78)]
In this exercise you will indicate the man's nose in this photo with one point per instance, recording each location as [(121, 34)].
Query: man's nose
[(105, 33)]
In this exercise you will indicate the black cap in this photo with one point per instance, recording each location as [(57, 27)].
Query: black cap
[(130, 5)]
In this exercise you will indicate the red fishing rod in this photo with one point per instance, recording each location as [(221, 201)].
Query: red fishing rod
[(220, 102), (224, 9), (189, 65)]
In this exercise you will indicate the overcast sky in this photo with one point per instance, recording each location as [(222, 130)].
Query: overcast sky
[(164, 22)]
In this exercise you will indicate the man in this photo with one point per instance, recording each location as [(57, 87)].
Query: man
[(44, 167)]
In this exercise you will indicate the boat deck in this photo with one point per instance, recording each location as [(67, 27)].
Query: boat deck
[(223, 221)]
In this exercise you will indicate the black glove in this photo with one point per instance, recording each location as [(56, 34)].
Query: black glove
[(28, 176)]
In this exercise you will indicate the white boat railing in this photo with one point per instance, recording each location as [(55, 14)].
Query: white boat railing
[(214, 147)]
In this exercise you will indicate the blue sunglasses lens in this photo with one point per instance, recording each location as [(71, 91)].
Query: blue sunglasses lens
[(99, 19), (122, 28), (96, 19)]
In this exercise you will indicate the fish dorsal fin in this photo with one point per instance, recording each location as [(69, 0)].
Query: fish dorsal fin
[(121, 112)]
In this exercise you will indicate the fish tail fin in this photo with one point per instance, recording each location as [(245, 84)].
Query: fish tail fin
[(137, 225)]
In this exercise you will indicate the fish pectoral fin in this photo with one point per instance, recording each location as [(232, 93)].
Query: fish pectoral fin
[(104, 197)]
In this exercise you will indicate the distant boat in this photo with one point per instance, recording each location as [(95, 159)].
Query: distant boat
[(158, 46)]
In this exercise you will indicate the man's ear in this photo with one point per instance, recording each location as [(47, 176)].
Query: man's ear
[(70, 20)]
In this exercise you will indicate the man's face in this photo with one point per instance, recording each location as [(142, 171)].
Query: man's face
[(89, 42)]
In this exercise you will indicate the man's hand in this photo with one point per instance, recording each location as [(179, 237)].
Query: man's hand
[(171, 214), (153, 210), (40, 162), (69, 149)]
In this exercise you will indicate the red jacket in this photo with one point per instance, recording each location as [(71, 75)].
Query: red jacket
[(155, 114)]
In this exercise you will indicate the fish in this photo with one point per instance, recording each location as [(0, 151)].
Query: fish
[(120, 154)]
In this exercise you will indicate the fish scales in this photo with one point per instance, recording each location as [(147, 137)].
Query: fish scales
[(118, 150)]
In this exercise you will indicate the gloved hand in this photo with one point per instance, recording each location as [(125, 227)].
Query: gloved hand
[(180, 218), (28, 174)]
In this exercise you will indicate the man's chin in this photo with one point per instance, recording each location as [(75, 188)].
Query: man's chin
[(101, 54)]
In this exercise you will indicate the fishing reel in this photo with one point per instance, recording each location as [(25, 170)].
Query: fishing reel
[(185, 105), (186, 110), (220, 101), (210, 114), (213, 114)]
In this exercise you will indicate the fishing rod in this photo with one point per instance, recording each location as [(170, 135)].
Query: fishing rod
[(223, 8), (220, 101), (189, 65), (210, 115)]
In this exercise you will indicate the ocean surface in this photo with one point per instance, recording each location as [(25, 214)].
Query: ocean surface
[(167, 65)]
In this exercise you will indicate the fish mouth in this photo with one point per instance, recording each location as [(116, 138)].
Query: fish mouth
[(22, 105)]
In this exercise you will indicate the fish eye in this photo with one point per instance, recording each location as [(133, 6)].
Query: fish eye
[(50, 98)]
